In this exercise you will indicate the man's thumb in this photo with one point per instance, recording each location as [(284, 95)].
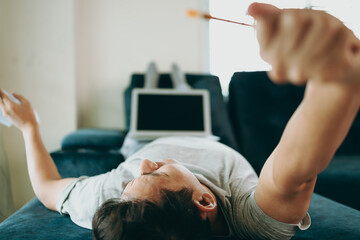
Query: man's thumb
[(258, 10)]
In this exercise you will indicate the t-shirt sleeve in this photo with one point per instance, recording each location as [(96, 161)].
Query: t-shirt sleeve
[(81, 198), (252, 223)]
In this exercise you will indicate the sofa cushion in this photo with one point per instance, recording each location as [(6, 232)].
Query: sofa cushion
[(96, 139), (34, 221), (331, 221), (341, 180), (259, 111), (85, 162)]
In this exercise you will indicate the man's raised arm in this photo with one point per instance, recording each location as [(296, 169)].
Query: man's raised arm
[(44, 176), (308, 144), (313, 47)]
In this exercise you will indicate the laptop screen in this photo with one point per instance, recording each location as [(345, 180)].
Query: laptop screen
[(167, 112)]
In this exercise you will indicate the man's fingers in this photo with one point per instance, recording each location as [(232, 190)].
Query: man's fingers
[(7, 105), (4, 98), (2, 95), (302, 44), (277, 76), (19, 97), (259, 10), (354, 46), (1, 101), (267, 17)]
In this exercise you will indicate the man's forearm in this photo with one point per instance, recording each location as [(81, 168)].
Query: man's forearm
[(41, 167), (314, 132)]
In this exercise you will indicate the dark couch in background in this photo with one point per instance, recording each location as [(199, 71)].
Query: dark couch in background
[(258, 113)]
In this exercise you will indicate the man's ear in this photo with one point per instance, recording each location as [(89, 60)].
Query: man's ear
[(206, 204)]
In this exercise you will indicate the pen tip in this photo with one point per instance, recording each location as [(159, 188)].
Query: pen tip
[(192, 13)]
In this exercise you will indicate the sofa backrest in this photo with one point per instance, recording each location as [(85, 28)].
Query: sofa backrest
[(221, 126), (259, 111)]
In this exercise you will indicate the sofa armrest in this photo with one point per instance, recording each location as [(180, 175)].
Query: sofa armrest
[(95, 139)]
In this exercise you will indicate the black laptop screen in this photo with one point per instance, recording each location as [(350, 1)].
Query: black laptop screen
[(170, 112)]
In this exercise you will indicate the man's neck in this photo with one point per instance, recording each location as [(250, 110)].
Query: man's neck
[(219, 226), (217, 219)]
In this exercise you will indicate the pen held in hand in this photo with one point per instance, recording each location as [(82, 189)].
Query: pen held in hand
[(196, 14)]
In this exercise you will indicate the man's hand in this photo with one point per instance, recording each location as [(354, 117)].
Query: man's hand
[(21, 115), (44, 176), (304, 44)]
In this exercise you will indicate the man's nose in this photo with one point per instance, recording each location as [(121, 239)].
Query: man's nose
[(147, 166)]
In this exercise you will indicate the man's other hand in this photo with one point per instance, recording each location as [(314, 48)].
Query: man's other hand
[(21, 115)]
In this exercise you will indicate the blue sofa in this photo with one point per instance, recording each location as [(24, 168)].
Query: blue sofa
[(94, 151)]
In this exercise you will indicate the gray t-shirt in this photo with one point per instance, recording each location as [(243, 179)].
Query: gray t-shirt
[(223, 170)]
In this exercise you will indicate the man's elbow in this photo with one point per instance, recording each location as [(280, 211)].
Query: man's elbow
[(47, 198)]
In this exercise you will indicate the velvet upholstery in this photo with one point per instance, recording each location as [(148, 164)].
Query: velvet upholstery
[(88, 163), (35, 222), (341, 180), (94, 139), (331, 221), (259, 111)]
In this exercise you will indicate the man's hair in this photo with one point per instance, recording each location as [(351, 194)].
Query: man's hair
[(174, 217)]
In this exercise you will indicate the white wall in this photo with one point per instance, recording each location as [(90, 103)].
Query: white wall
[(6, 202), (116, 38), (37, 60)]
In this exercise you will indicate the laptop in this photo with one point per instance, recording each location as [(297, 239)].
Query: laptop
[(168, 112)]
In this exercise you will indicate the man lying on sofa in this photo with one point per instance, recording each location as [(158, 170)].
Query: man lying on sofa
[(194, 188)]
